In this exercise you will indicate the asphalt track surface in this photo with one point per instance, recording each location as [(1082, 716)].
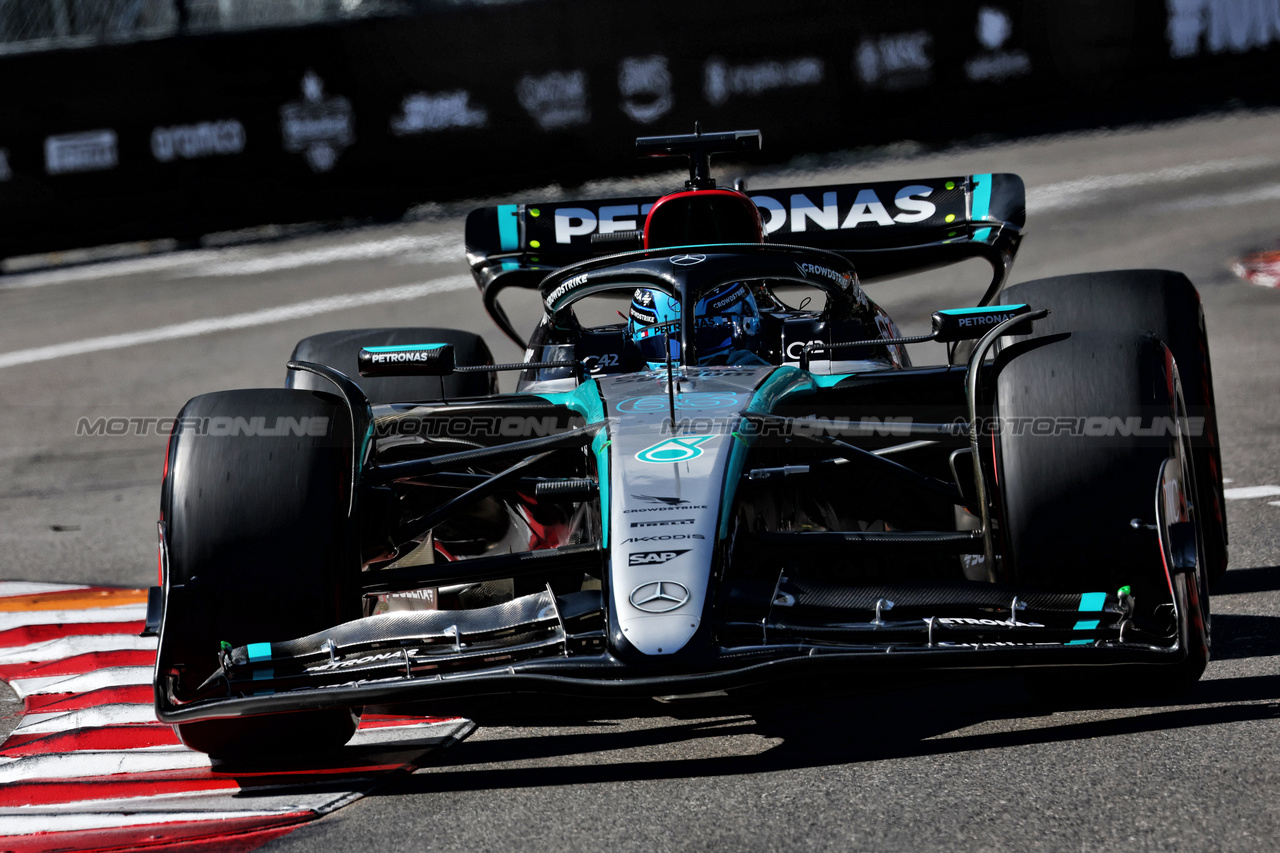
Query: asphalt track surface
[(957, 764)]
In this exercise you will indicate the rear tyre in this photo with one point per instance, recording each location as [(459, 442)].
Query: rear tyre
[(340, 350), (259, 548), (1069, 500), (1167, 305)]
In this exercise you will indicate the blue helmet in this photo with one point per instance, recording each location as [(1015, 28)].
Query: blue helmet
[(725, 319)]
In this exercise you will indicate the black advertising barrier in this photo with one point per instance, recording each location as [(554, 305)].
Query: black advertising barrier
[(181, 136)]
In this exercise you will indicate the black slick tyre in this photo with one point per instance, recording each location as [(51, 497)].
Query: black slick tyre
[(1078, 484), (254, 513), (340, 350), (1167, 305)]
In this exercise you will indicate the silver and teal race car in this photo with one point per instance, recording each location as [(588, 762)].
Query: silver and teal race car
[(719, 470)]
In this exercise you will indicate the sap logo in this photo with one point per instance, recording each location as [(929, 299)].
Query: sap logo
[(580, 221), (654, 558), (666, 522), (867, 208)]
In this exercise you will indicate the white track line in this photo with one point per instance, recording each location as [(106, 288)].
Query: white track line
[(439, 248), (112, 676), (284, 313), (1270, 192), (1083, 191), (12, 588), (1246, 492), (28, 824), (77, 644)]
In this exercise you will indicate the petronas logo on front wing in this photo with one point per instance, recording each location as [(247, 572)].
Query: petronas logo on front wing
[(681, 449)]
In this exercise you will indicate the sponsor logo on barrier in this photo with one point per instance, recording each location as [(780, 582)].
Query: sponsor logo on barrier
[(645, 85), (895, 62), (723, 81), (5, 172), (654, 558), (90, 151), (194, 141), (1221, 25), (318, 127), (425, 113), (997, 64), (555, 100)]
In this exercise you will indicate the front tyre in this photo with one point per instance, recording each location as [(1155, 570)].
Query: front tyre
[(260, 548)]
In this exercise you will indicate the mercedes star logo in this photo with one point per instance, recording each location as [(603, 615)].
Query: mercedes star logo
[(688, 260), (659, 596)]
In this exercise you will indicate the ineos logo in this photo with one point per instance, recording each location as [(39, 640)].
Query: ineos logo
[(688, 260)]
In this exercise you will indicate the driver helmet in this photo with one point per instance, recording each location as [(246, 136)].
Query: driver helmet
[(725, 319)]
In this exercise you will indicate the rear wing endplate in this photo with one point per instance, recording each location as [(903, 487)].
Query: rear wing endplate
[(885, 229)]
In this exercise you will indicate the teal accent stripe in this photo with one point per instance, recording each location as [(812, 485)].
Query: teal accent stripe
[(1089, 601), (258, 651), (995, 309), (1093, 601), (404, 348), (264, 674), (600, 447), (829, 380), (732, 474), (981, 197), (981, 207), (508, 227), (585, 400)]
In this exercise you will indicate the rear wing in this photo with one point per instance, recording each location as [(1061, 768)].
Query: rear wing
[(885, 229)]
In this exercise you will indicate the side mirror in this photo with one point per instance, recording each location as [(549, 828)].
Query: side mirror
[(970, 324), (407, 360)]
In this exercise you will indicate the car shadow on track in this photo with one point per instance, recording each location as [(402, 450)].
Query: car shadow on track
[(949, 714), (960, 716)]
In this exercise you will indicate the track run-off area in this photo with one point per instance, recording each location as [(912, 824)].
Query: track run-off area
[(956, 763)]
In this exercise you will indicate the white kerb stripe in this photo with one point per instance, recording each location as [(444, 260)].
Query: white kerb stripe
[(284, 313), (28, 824), (75, 765), (115, 714), (76, 644), (112, 676), (118, 613)]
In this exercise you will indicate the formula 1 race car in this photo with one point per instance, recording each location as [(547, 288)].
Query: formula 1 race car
[(719, 469)]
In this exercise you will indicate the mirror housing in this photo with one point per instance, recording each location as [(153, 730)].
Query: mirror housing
[(407, 360), (970, 324)]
